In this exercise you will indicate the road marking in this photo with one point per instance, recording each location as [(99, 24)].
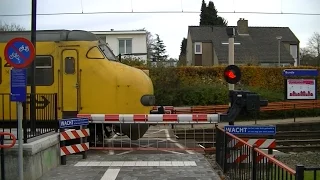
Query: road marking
[(176, 143), (126, 152), (174, 152), (136, 163), (111, 152), (110, 174)]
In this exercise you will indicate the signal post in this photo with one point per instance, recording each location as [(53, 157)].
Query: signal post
[(231, 33)]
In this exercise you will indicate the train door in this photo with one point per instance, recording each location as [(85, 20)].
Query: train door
[(70, 82)]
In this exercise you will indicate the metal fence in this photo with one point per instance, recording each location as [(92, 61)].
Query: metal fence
[(247, 162), (46, 115), (312, 173), (150, 137)]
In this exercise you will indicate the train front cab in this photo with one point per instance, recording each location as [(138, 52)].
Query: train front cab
[(104, 86), (88, 80)]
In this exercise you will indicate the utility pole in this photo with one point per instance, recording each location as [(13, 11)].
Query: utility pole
[(231, 33), (33, 111), (279, 41)]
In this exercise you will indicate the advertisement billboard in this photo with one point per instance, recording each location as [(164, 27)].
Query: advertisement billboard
[(301, 89)]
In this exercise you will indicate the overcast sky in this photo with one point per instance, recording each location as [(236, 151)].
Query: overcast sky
[(171, 27)]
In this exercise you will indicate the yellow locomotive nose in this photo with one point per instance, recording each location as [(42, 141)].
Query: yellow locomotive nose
[(137, 97), (136, 88)]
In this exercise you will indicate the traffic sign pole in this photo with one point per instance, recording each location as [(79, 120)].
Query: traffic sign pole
[(33, 111), (19, 53), (20, 137)]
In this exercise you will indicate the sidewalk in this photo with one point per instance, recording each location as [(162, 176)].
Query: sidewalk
[(258, 122)]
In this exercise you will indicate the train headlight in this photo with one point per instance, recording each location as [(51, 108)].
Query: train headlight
[(148, 100)]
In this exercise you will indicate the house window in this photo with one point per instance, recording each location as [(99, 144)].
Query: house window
[(125, 46), (43, 71), (198, 48)]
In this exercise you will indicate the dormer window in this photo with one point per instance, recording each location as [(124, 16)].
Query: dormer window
[(198, 48)]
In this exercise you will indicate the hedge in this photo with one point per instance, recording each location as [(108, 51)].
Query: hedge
[(186, 86)]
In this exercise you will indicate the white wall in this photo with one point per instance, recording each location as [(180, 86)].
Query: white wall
[(294, 53), (139, 42)]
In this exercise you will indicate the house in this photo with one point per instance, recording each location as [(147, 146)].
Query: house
[(208, 45), (126, 42)]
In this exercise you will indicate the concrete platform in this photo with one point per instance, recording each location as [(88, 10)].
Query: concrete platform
[(99, 166), (39, 156)]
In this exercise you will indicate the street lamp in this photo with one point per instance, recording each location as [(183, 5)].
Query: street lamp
[(279, 40)]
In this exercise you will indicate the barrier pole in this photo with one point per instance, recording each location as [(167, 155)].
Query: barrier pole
[(63, 159), (20, 140), (2, 158), (84, 140)]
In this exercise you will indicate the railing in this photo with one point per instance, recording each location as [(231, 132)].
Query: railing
[(150, 132), (307, 173), (273, 106), (247, 162), (46, 115)]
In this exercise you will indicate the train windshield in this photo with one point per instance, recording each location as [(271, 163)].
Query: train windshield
[(107, 52)]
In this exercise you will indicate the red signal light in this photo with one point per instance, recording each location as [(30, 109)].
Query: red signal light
[(230, 74)]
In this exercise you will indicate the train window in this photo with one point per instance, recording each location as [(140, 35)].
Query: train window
[(94, 53), (44, 71), (69, 65), (108, 53)]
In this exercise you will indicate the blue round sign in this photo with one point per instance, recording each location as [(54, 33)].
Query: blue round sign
[(19, 52)]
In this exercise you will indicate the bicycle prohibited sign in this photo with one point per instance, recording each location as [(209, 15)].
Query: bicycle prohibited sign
[(19, 52)]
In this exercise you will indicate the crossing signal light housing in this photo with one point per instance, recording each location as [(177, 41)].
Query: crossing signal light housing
[(244, 103), (232, 74)]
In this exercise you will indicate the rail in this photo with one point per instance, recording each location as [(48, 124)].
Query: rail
[(46, 115)]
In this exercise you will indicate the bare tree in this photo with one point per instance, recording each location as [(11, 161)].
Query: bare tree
[(150, 42), (10, 27), (314, 44)]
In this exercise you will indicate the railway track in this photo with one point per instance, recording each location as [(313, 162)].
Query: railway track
[(295, 141)]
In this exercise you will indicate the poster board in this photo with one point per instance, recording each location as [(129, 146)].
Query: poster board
[(301, 89)]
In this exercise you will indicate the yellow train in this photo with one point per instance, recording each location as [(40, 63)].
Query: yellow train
[(84, 73)]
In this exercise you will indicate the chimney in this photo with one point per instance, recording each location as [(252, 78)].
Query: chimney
[(242, 26)]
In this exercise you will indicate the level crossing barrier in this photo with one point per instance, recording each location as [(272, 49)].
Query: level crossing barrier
[(80, 132), (243, 159), (5, 146), (150, 132)]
